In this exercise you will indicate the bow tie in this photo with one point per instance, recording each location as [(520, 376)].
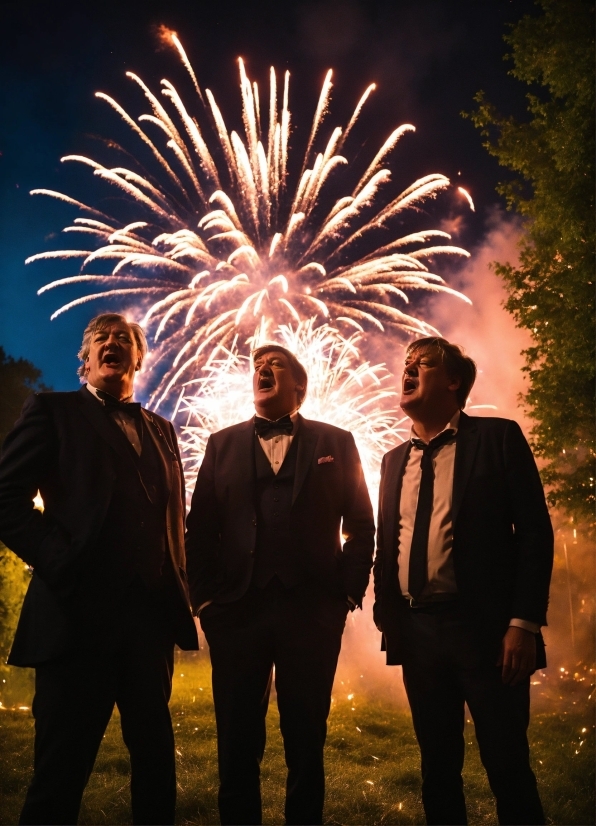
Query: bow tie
[(435, 443), (263, 426), (111, 403)]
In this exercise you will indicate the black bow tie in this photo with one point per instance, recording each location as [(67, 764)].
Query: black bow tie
[(263, 426), (112, 403)]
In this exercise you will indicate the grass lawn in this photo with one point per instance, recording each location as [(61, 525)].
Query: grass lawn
[(372, 761)]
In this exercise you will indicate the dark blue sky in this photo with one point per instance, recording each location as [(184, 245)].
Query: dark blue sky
[(429, 59)]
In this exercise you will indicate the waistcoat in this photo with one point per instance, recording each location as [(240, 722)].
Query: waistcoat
[(275, 553), (132, 541)]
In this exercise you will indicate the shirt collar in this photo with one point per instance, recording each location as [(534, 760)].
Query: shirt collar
[(452, 424), (293, 416), (93, 391)]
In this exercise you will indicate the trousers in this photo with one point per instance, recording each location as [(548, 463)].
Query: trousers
[(298, 633), (444, 668), (74, 699)]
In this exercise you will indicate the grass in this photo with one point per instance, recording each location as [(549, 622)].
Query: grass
[(372, 761)]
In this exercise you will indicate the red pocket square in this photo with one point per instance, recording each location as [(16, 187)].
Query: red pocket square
[(324, 459)]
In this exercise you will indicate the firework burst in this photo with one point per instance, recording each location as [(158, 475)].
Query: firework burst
[(223, 243), (342, 388)]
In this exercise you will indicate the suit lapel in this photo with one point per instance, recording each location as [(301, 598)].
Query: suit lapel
[(244, 462), (465, 453), (96, 415), (164, 451), (307, 443), (390, 498)]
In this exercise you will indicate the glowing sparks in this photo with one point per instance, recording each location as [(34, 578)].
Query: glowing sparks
[(467, 196), (342, 388), (222, 242)]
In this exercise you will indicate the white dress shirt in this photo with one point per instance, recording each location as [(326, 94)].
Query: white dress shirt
[(276, 445), (441, 574)]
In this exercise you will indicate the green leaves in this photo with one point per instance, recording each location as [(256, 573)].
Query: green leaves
[(551, 291)]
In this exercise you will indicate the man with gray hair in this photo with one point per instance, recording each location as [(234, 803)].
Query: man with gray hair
[(108, 597)]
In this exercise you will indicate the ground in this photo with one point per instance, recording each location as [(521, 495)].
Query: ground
[(372, 759)]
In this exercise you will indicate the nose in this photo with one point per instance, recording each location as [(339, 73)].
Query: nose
[(411, 369)]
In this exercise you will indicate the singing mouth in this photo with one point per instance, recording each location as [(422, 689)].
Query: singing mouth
[(111, 359), (410, 384), (266, 383)]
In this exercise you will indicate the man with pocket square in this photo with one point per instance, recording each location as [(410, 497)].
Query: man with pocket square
[(273, 581), (108, 598)]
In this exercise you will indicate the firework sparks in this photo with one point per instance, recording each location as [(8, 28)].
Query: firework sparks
[(467, 196), (223, 242), (359, 394)]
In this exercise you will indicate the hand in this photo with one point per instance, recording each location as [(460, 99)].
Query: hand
[(518, 655)]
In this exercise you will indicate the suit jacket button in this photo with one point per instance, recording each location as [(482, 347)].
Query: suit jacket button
[(254, 521)]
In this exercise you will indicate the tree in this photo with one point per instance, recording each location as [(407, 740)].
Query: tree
[(551, 291), (18, 378)]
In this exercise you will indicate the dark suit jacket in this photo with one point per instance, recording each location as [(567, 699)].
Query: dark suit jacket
[(64, 446), (502, 535), (328, 497)]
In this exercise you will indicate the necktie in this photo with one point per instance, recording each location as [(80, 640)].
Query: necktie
[(112, 403), (418, 570), (263, 426)]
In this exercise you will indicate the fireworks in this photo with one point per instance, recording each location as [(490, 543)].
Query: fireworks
[(221, 244), (222, 241), (342, 388)]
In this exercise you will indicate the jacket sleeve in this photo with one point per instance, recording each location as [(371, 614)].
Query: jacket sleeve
[(358, 526), (29, 458), (202, 532), (533, 529), (378, 563)]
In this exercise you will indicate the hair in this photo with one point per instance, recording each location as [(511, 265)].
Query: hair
[(457, 364), (100, 322), (298, 372)]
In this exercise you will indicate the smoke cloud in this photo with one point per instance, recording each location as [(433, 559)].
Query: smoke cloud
[(488, 334)]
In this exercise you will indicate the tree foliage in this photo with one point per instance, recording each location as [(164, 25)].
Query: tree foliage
[(551, 290), (18, 378)]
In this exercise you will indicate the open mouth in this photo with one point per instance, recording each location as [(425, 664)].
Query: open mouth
[(265, 383), (111, 359), (410, 384)]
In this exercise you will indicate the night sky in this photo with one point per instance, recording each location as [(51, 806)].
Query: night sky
[(428, 59)]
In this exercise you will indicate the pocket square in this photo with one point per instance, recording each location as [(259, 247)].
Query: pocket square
[(324, 459)]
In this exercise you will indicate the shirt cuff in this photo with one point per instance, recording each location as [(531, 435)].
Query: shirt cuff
[(534, 627)]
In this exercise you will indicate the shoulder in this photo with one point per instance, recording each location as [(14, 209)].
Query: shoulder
[(488, 424), (50, 400), (228, 433), (322, 428)]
